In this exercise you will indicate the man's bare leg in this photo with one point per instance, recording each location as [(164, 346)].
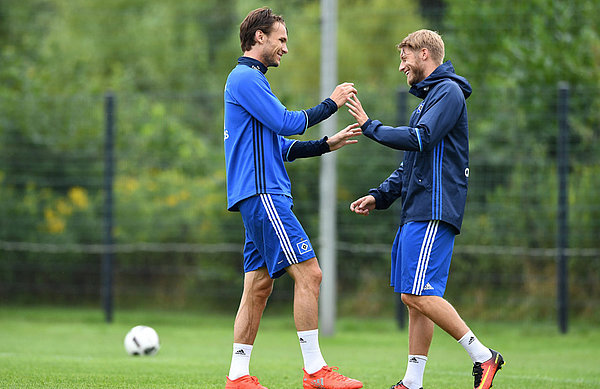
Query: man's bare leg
[(420, 332), (258, 286), (307, 277), (307, 281), (440, 311)]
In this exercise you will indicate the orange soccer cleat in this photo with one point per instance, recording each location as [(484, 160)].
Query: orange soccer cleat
[(244, 382), (327, 378), (484, 372)]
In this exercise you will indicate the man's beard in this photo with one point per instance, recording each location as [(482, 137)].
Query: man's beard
[(271, 61), (417, 76)]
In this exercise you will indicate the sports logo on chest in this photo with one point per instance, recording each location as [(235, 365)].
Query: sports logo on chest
[(420, 108)]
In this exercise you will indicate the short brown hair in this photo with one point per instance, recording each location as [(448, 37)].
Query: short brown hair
[(425, 39), (260, 19)]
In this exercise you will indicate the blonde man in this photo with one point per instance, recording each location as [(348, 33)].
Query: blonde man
[(432, 183)]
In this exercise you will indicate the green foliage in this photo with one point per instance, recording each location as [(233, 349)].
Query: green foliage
[(515, 54), (522, 215), (170, 207), (166, 63)]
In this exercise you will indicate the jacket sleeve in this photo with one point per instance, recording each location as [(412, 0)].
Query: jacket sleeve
[(399, 138), (255, 95), (441, 113), (389, 190), (293, 149), (321, 111), (286, 146)]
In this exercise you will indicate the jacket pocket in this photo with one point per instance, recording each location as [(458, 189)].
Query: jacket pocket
[(422, 170)]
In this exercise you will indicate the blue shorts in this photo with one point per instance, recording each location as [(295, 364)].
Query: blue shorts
[(421, 257), (274, 236)]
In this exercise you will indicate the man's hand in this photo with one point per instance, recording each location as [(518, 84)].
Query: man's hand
[(357, 110), (364, 205), (342, 93), (342, 138)]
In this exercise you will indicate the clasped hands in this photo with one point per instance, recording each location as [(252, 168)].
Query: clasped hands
[(345, 94)]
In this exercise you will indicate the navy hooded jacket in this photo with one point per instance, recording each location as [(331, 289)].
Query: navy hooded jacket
[(432, 179)]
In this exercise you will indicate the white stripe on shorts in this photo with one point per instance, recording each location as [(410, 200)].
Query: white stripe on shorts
[(284, 240), (424, 256)]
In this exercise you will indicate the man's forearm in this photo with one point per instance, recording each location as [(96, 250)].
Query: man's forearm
[(320, 112), (309, 148)]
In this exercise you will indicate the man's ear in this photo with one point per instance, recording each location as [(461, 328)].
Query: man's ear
[(424, 53), (259, 36)]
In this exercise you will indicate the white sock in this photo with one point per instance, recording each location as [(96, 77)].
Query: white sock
[(309, 344), (477, 351), (240, 361), (413, 379)]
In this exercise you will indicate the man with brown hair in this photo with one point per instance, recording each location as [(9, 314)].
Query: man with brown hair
[(258, 186), (432, 183)]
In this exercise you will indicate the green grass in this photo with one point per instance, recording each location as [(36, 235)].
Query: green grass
[(74, 348)]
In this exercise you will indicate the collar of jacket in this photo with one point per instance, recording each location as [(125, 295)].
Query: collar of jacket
[(253, 63)]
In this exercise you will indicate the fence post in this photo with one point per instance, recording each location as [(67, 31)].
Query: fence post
[(328, 176), (401, 109), (563, 204), (108, 239)]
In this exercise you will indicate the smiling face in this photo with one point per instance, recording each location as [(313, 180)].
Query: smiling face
[(273, 45), (412, 66)]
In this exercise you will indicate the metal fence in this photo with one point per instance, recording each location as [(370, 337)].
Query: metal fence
[(164, 238)]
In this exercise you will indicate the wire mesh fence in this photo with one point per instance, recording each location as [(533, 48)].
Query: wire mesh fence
[(175, 245)]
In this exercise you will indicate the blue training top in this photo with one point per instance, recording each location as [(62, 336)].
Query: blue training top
[(433, 177), (255, 125)]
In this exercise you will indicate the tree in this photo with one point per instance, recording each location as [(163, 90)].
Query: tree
[(515, 54)]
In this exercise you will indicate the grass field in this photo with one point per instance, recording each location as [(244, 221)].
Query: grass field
[(74, 348)]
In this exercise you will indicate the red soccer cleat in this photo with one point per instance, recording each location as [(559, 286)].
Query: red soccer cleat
[(484, 372), (327, 378), (244, 382)]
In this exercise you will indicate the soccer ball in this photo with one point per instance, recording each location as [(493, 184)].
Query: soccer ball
[(142, 340)]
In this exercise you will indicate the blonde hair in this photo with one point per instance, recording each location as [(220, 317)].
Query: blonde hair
[(425, 39)]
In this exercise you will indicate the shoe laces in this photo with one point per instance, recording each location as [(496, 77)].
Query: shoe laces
[(477, 373), (255, 381), (397, 385), (334, 375)]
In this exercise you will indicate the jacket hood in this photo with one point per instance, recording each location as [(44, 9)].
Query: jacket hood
[(443, 72)]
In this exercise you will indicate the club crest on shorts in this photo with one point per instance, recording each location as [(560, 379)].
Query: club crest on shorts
[(303, 247)]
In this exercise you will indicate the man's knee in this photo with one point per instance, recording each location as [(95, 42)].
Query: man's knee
[(316, 274), (307, 273), (311, 280), (412, 301), (421, 303), (264, 289), (259, 286)]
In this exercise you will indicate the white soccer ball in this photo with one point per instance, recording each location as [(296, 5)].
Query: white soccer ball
[(142, 340)]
